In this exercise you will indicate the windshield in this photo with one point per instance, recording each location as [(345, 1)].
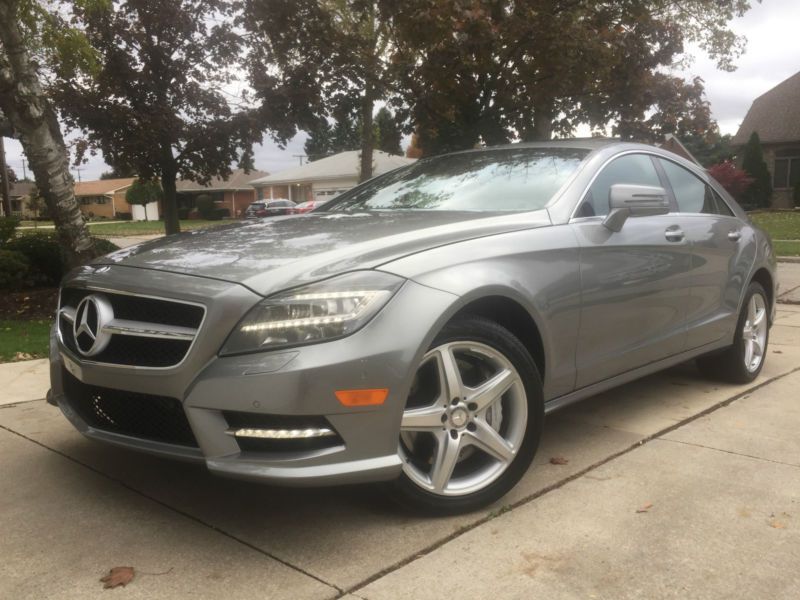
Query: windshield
[(518, 179)]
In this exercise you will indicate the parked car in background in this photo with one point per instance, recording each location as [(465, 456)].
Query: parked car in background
[(308, 206), (416, 329), (269, 208)]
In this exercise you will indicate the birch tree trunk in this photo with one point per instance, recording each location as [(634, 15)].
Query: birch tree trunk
[(26, 111)]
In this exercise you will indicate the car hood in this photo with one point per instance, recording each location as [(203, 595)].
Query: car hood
[(280, 252)]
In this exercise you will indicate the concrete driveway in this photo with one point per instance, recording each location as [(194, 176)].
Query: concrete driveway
[(675, 486)]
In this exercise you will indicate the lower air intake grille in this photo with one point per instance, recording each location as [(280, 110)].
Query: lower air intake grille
[(146, 416)]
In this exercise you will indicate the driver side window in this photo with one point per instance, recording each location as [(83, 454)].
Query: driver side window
[(635, 169)]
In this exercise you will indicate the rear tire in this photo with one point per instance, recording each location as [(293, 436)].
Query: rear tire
[(467, 439), (743, 361)]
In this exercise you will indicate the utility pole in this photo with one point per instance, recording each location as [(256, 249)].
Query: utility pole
[(24, 172), (4, 173), (301, 157), (78, 171)]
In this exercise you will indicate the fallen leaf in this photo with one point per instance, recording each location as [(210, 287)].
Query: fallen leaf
[(775, 524), (645, 507), (777, 351), (558, 460), (118, 576)]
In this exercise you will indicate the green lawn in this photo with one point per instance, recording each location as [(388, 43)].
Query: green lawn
[(147, 227), (22, 340), (124, 228), (783, 226), (787, 248)]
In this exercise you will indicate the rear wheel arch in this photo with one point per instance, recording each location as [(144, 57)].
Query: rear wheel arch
[(764, 277)]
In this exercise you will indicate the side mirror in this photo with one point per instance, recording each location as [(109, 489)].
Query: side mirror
[(626, 200)]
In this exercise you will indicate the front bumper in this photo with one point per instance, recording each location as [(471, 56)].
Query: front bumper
[(293, 382)]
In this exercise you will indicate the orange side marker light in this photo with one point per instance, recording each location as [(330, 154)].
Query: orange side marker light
[(371, 397)]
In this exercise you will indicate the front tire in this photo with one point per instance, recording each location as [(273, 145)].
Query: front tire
[(473, 420), (743, 361)]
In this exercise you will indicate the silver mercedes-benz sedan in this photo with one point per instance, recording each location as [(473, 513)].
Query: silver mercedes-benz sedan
[(416, 329)]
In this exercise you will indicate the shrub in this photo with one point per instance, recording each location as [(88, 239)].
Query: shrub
[(220, 213), (7, 227), (735, 181), (13, 269), (759, 193), (47, 261), (796, 195), (205, 206), (125, 216), (104, 246), (183, 213)]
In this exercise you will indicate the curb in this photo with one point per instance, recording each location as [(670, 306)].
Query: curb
[(789, 259)]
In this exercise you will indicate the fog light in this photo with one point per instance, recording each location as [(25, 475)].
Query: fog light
[(282, 434)]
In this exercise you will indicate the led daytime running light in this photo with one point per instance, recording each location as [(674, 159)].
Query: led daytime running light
[(367, 297)]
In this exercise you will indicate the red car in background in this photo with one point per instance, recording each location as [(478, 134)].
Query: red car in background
[(305, 207)]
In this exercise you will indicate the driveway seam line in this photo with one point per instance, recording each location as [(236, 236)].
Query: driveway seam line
[(733, 452), (17, 403), (559, 484), (176, 510)]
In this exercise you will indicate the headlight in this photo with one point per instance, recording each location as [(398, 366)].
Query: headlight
[(321, 311)]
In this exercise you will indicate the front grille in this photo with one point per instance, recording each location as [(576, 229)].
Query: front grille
[(146, 416), (144, 350)]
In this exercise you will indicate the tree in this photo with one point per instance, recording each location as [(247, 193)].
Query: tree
[(156, 102), (122, 172), (388, 134), (318, 144), (759, 193), (317, 57), (413, 150), (27, 115), (488, 72), (144, 191), (736, 181), (326, 140)]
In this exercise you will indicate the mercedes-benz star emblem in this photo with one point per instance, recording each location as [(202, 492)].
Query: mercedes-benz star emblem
[(93, 314)]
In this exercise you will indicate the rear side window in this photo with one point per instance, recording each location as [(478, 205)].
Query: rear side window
[(634, 169), (692, 194)]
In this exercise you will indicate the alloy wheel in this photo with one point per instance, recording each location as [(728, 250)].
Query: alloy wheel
[(465, 419), (754, 332)]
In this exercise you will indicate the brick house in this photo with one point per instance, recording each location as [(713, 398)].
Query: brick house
[(775, 116), (324, 178), (234, 193), (18, 193), (104, 198)]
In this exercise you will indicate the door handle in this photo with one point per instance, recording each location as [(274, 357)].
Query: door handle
[(734, 236), (674, 235)]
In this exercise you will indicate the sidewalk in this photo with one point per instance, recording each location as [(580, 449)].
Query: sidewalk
[(718, 463)]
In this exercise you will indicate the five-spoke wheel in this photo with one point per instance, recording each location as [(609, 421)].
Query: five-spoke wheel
[(473, 413)]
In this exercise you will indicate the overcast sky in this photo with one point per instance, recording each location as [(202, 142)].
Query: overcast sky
[(772, 55)]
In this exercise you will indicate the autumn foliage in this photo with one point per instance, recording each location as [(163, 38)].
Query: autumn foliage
[(736, 181)]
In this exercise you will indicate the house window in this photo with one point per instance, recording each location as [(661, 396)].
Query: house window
[(86, 200), (787, 168)]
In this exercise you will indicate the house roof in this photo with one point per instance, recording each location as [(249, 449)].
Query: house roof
[(775, 115), (344, 165), (674, 145), (102, 187), (20, 188), (239, 180)]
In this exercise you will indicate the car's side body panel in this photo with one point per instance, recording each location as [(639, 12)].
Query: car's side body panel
[(538, 268), (634, 289)]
